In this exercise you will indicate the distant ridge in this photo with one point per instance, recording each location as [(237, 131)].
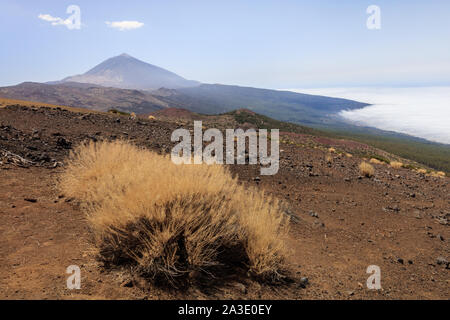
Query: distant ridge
[(84, 95)]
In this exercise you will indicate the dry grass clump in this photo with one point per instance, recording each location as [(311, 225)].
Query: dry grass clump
[(331, 150), (366, 169), (328, 158), (422, 171), (396, 164), (348, 155), (168, 220), (375, 161), (438, 174), (441, 173)]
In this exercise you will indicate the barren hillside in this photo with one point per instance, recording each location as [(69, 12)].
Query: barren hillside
[(341, 221)]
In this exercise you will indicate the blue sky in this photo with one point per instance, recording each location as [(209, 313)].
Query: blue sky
[(271, 44)]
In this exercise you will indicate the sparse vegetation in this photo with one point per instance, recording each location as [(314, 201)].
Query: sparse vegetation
[(378, 157), (396, 164), (410, 166), (430, 154), (366, 169), (169, 221), (437, 174), (115, 111), (262, 122), (441, 173), (375, 161)]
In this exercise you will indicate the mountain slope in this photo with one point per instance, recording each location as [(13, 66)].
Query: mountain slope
[(206, 99), (84, 96), (127, 72), (281, 105)]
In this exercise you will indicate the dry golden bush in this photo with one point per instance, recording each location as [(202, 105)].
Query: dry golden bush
[(328, 158), (422, 171), (366, 169), (441, 173), (375, 161), (438, 174), (348, 155), (396, 164), (168, 220), (331, 150)]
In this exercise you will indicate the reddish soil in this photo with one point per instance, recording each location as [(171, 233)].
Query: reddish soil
[(340, 223)]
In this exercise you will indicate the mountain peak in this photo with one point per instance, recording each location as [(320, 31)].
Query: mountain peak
[(127, 72), (125, 55)]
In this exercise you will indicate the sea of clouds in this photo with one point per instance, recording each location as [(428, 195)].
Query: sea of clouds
[(419, 111)]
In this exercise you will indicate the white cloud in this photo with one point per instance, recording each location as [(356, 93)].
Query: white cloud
[(125, 25), (72, 22), (55, 21)]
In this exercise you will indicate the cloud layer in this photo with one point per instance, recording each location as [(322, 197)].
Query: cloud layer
[(422, 111), (125, 25)]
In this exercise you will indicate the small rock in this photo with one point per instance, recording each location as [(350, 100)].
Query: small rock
[(400, 260), (127, 284), (241, 288), (313, 214), (32, 200), (441, 261), (257, 179), (63, 143), (303, 282)]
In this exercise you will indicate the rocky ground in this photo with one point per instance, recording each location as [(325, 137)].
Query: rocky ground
[(340, 222)]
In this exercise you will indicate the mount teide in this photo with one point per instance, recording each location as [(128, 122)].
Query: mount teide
[(126, 72)]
